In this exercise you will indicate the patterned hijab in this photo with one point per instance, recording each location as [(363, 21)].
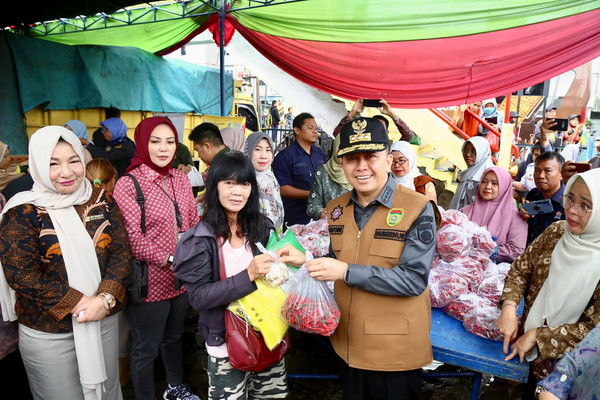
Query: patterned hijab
[(271, 204), (142, 138)]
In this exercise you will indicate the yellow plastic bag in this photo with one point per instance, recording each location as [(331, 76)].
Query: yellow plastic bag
[(261, 309)]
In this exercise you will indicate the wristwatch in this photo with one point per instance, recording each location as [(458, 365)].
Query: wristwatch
[(170, 259), (538, 390), (108, 300)]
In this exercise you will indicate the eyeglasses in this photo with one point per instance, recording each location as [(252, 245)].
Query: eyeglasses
[(399, 161), (582, 209)]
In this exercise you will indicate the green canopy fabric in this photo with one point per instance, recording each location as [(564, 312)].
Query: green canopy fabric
[(78, 77)]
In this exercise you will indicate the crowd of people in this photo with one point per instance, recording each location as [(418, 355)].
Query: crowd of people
[(132, 201)]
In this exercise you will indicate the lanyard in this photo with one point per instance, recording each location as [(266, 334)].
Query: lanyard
[(174, 201)]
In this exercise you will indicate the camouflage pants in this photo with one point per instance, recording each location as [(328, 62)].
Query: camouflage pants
[(226, 382)]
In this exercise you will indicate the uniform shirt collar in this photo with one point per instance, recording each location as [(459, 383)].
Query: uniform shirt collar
[(386, 195)]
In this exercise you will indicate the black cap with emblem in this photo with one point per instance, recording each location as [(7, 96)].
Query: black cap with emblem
[(362, 135)]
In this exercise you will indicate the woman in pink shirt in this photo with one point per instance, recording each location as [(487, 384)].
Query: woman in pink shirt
[(231, 228), (157, 323)]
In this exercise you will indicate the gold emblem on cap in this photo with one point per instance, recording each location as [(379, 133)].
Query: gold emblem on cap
[(359, 125)]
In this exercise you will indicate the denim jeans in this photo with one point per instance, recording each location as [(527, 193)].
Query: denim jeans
[(156, 326)]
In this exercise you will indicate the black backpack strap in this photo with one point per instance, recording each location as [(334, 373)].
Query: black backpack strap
[(140, 200)]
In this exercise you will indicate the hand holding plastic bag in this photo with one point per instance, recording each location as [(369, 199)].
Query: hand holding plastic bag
[(310, 306), (279, 272)]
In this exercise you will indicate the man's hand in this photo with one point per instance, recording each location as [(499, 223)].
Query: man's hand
[(357, 108), (326, 269), (386, 109), (290, 255), (567, 171), (524, 212)]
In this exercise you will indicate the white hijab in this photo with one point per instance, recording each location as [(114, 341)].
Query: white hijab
[(408, 151), (483, 161), (76, 245), (574, 268)]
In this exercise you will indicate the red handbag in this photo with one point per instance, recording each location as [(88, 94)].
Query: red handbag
[(245, 345)]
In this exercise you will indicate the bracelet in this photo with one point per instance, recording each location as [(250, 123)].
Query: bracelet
[(509, 304)]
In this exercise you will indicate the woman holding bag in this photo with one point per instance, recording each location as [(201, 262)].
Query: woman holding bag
[(157, 323), (232, 226)]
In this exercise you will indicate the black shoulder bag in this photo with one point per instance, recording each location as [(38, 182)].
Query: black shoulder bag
[(137, 290)]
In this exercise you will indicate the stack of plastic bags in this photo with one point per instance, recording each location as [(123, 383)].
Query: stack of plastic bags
[(463, 281)]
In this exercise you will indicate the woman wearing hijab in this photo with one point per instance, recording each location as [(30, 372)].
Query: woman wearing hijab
[(80, 130), (120, 149), (259, 149), (558, 276), (494, 209), (157, 323), (491, 115), (328, 183), (477, 154), (64, 298), (406, 172), (233, 138), (7, 173)]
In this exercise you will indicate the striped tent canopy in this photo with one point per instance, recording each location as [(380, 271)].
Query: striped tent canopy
[(415, 54)]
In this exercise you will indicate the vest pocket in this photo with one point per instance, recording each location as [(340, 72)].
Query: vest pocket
[(384, 326), (386, 248), (386, 341)]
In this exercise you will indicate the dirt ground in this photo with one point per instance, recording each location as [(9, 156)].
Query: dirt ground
[(310, 355)]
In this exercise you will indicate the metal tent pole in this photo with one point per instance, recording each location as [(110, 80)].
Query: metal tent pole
[(222, 55)]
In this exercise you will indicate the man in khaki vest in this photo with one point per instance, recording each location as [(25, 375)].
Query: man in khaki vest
[(382, 246)]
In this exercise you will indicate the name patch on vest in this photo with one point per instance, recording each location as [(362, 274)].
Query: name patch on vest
[(390, 234), (336, 229)]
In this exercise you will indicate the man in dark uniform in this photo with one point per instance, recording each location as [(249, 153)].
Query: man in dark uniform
[(382, 247)]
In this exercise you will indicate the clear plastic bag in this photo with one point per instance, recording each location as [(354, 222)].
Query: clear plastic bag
[(453, 242), (279, 272), (310, 306), (464, 303), (481, 321), (445, 286)]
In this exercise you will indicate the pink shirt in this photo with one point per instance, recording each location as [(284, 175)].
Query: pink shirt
[(161, 236), (236, 260)]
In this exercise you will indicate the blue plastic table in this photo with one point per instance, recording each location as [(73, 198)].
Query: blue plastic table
[(453, 345)]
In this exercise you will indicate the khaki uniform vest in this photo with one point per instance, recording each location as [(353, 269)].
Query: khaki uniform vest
[(378, 332)]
